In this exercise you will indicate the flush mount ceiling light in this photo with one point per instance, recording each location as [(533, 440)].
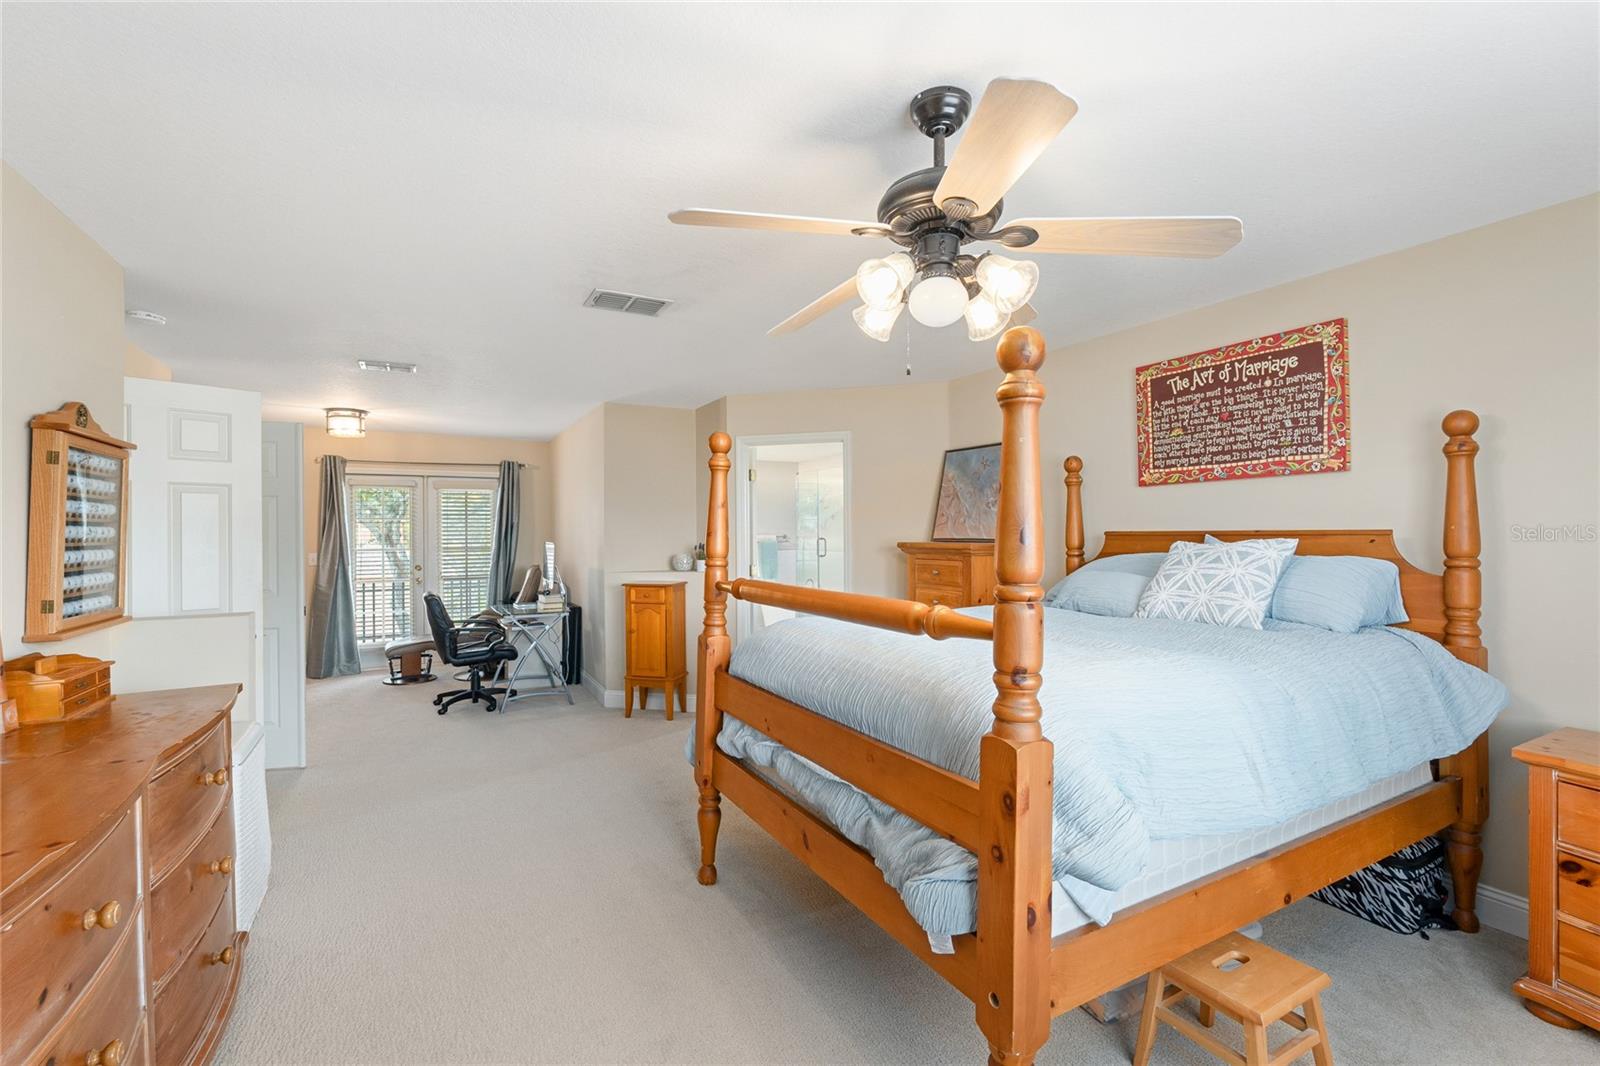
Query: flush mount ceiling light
[(384, 366), (345, 421), (933, 212)]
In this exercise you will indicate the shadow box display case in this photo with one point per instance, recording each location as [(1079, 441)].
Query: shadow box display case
[(77, 526)]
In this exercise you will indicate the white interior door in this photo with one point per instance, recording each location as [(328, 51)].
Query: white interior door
[(283, 593), (195, 508)]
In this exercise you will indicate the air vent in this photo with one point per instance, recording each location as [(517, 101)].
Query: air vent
[(632, 303), (386, 367)]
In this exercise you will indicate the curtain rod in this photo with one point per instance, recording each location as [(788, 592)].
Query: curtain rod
[(416, 462)]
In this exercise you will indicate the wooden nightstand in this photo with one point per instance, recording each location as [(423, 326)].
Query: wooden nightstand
[(949, 572), (1563, 982), (654, 623)]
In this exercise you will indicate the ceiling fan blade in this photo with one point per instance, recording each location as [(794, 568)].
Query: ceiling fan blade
[(838, 296), (1184, 238), (1022, 316), (700, 216), (1013, 123)]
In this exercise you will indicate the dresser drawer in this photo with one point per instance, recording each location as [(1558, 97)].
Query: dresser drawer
[(1578, 958), (183, 900), (105, 1021), (638, 594), (49, 956), (1578, 816), (937, 571), (189, 998), (185, 798), (1578, 887)]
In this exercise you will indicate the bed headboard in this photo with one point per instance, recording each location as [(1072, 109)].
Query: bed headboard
[(1446, 607)]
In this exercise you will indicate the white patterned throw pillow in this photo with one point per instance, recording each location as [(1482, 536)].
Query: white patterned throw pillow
[(1219, 584)]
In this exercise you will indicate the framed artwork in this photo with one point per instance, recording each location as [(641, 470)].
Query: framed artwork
[(969, 494), (1267, 407)]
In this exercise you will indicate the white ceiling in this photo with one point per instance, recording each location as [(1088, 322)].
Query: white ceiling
[(297, 186)]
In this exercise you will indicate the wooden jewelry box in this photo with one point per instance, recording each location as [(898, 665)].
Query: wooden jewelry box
[(47, 688)]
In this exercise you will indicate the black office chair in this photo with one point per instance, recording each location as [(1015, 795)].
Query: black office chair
[(480, 645)]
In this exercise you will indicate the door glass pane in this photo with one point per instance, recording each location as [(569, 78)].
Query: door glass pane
[(465, 542), (382, 559)]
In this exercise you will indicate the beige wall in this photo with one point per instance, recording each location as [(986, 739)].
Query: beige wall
[(898, 434), (61, 339), (649, 486), (578, 459), (1501, 320), (377, 446), (139, 363)]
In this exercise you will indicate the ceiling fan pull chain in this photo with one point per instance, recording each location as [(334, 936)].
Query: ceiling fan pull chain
[(908, 349)]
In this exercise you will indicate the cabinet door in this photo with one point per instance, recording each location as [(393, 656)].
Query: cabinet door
[(647, 639)]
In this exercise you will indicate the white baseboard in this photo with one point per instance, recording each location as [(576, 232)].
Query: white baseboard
[(596, 689), (1503, 910)]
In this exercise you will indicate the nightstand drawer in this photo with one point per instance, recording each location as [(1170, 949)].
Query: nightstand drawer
[(1578, 816), (1578, 887), (941, 595), (1578, 958), (937, 571), (643, 594)]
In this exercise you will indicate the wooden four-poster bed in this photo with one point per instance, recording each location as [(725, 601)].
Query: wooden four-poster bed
[(1016, 975)]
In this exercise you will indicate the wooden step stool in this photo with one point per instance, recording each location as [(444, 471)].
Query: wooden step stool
[(1250, 983)]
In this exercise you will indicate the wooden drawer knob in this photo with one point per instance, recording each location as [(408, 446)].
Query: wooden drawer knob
[(104, 918), (223, 865), (110, 1055), (936, 571), (215, 777), (225, 956)]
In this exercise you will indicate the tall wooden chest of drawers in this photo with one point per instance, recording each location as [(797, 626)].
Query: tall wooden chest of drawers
[(117, 936), (949, 573), (1563, 982), (653, 619)]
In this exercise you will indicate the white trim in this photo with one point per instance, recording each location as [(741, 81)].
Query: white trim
[(1502, 910), (596, 689), (246, 741)]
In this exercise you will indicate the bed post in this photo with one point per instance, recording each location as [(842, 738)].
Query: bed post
[(1463, 601), (714, 646), (1074, 468), (1015, 761)]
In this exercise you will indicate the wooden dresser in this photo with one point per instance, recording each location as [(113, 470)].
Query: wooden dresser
[(1563, 982), (117, 938), (949, 573), (653, 621)]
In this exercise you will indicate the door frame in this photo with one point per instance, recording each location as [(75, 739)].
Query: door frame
[(295, 576), (741, 551)]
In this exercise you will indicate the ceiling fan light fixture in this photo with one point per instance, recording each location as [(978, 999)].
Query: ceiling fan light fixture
[(877, 322), (1010, 283), (984, 318), (937, 299), (881, 283)]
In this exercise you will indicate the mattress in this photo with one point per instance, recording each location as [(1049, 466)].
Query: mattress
[(1176, 862)]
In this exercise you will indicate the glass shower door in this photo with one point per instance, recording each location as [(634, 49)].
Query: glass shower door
[(798, 513)]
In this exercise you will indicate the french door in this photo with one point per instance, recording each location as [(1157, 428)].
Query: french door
[(414, 535)]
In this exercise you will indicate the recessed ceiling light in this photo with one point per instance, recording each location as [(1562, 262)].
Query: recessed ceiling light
[(148, 316), (387, 367)]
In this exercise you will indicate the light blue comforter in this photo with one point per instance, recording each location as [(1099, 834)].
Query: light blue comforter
[(1161, 729)]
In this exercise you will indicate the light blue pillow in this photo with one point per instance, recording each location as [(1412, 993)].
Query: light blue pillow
[(1110, 586), (1343, 593)]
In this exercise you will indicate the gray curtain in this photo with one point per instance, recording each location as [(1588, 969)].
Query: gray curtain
[(331, 629), (503, 554)]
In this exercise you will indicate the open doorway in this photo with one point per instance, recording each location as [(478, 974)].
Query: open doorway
[(793, 516)]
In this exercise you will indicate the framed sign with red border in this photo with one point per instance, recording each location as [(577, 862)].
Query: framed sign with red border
[(1267, 407)]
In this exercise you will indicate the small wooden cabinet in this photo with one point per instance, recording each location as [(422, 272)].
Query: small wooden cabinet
[(949, 573), (1563, 982), (77, 526), (653, 616)]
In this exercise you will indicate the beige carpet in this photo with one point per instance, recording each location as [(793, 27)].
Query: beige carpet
[(520, 888)]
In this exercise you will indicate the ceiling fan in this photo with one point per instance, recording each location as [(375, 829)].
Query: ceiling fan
[(934, 212)]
